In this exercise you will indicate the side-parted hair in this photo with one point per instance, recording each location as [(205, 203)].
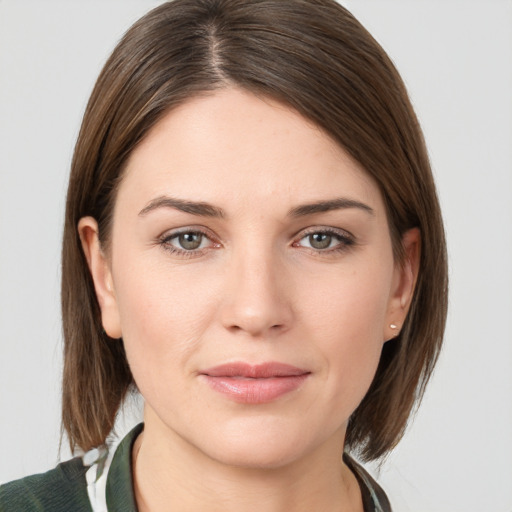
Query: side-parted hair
[(313, 56)]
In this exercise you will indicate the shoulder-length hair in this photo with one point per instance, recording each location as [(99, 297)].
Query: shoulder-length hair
[(313, 56)]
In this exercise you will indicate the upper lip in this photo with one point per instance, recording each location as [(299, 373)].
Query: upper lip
[(254, 371)]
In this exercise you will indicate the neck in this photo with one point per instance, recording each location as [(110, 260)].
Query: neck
[(170, 474)]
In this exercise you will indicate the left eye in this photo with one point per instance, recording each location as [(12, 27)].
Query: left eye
[(322, 240)]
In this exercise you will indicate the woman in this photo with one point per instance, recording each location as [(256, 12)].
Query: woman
[(253, 241)]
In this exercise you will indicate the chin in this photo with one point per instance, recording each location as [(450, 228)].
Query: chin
[(264, 446), (257, 456)]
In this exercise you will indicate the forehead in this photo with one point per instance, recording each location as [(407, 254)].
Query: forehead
[(231, 147)]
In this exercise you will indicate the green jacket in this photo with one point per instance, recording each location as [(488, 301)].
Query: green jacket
[(64, 489)]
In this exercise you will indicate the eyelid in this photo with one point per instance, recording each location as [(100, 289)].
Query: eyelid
[(342, 233), (169, 233)]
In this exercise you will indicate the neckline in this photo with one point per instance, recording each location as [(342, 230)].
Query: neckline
[(120, 495)]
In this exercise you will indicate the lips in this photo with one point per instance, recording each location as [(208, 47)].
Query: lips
[(254, 384)]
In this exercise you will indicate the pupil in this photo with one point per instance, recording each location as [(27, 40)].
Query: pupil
[(320, 240), (190, 241)]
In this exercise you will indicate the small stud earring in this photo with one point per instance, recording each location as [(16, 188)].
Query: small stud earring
[(393, 326)]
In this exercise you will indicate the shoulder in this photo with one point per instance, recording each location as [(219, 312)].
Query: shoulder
[(61, 489)]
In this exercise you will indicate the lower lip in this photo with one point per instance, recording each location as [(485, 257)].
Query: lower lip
[(255, 391)]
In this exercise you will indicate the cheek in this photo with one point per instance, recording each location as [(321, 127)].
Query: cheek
[(350, 304), (163, 315), (346, 317)]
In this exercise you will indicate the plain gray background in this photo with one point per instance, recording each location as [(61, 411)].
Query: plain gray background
[(456, 58)]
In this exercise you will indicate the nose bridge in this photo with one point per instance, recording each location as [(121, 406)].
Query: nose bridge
[(256, 300)]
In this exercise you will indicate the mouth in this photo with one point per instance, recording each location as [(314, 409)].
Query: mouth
[(254, 384)]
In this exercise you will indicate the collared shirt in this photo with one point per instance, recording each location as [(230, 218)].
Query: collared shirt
[(101, 481)]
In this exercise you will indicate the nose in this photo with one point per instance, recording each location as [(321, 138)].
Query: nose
[(257, 298)]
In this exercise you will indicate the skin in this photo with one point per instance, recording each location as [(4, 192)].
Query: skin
[(257, 289)]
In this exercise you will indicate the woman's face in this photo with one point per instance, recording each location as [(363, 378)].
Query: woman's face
[(252, 279)]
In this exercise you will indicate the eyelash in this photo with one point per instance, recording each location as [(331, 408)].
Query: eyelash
[(345, 241)]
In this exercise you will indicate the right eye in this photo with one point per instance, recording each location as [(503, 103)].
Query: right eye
[(186, 242)]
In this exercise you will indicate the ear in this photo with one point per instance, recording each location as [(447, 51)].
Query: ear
[(101, 276), (404, 281)]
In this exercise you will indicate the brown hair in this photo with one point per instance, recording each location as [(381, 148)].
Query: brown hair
[(314, 56)]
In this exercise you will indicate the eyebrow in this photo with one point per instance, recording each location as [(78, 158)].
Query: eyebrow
[(195, 208), (207, 210), (326, 206)]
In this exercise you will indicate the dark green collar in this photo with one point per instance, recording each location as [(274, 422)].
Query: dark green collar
[(119, 492)]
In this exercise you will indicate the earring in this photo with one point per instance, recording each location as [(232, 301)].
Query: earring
[(393, 326)]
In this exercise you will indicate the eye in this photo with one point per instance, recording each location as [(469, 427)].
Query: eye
[(325, 240), (320, 240), (186, 242)]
